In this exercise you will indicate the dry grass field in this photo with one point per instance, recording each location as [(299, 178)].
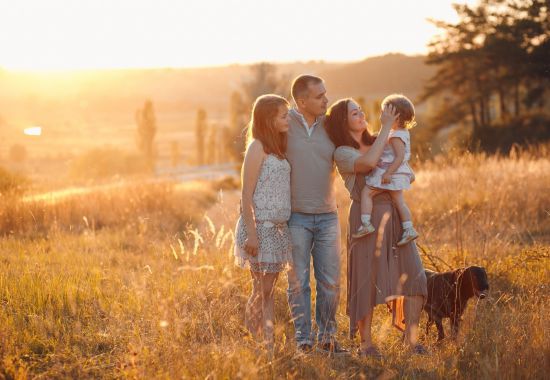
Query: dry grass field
[(140, 283)]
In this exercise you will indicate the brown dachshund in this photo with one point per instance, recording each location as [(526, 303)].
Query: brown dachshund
[(449, 292)]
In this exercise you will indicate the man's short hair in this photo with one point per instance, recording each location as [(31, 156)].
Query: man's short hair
[(300, 85)]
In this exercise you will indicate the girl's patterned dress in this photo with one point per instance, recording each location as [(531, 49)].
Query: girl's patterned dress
[(271, 203)]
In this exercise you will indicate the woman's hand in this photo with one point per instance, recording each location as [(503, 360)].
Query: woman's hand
[(388, 116), (386, 178), (368, 160), (251, 245)]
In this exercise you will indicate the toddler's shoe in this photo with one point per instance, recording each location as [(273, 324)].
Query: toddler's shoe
[(409, 235), (363, 230)]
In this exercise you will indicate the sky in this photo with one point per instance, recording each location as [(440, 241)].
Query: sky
[(98, 34)]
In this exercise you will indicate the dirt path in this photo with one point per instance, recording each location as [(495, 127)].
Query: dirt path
[(205, 173)]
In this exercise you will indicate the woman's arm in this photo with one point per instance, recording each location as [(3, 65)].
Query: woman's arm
[(368, 161), (253, 160), (399, 150)]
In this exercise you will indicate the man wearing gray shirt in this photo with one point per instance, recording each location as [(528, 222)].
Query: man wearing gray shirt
[(314, 226)]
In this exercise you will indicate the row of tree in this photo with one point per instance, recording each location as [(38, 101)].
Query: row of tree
[(146, 123), (493, 65), (230, 143), (213, 141)]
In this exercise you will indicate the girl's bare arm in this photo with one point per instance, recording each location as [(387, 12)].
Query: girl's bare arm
[(253, 160)]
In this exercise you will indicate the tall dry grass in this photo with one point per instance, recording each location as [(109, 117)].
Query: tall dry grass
[(161, 208), (169, 303)]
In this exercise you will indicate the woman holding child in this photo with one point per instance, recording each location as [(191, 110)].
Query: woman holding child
[(380, 271)]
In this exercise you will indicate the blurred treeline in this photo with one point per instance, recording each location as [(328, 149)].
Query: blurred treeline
[(493, 71)]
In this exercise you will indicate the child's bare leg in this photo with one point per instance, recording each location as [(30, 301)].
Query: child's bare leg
[(366, 226), (399, 202), (366, 203), (409, 233)]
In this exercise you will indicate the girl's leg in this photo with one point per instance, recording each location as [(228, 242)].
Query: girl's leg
[(253, 312), (260, 307), (365, 325), (413, 307), (399, 202), (268, 288)]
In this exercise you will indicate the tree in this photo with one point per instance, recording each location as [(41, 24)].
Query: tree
[(497, 53), (146, 130), (375, 118), (264, 80), (228, 144), (236, 135), (212, 146), (200, 134)]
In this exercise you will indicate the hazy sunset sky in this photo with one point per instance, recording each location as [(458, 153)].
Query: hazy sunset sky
[(78, 34)]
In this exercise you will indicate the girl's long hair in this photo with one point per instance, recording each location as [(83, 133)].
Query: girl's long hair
[(336, 124), (262, 125)]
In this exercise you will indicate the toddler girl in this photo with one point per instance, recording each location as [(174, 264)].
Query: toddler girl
[(392, 173)]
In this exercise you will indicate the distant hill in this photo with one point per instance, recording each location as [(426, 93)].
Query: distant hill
[(88, 108), (377, 77), (210, 87)]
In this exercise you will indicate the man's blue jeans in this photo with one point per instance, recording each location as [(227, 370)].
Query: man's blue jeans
[(316, 236)]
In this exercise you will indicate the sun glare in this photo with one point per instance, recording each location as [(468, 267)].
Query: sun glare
[(33, 131), (59, 35)]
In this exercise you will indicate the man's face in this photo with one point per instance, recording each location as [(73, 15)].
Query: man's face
[(316, 102)]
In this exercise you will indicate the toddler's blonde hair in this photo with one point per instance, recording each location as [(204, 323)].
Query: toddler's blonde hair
[(404, 107)]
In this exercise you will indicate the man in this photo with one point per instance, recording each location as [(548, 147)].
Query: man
[(314, 226)]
